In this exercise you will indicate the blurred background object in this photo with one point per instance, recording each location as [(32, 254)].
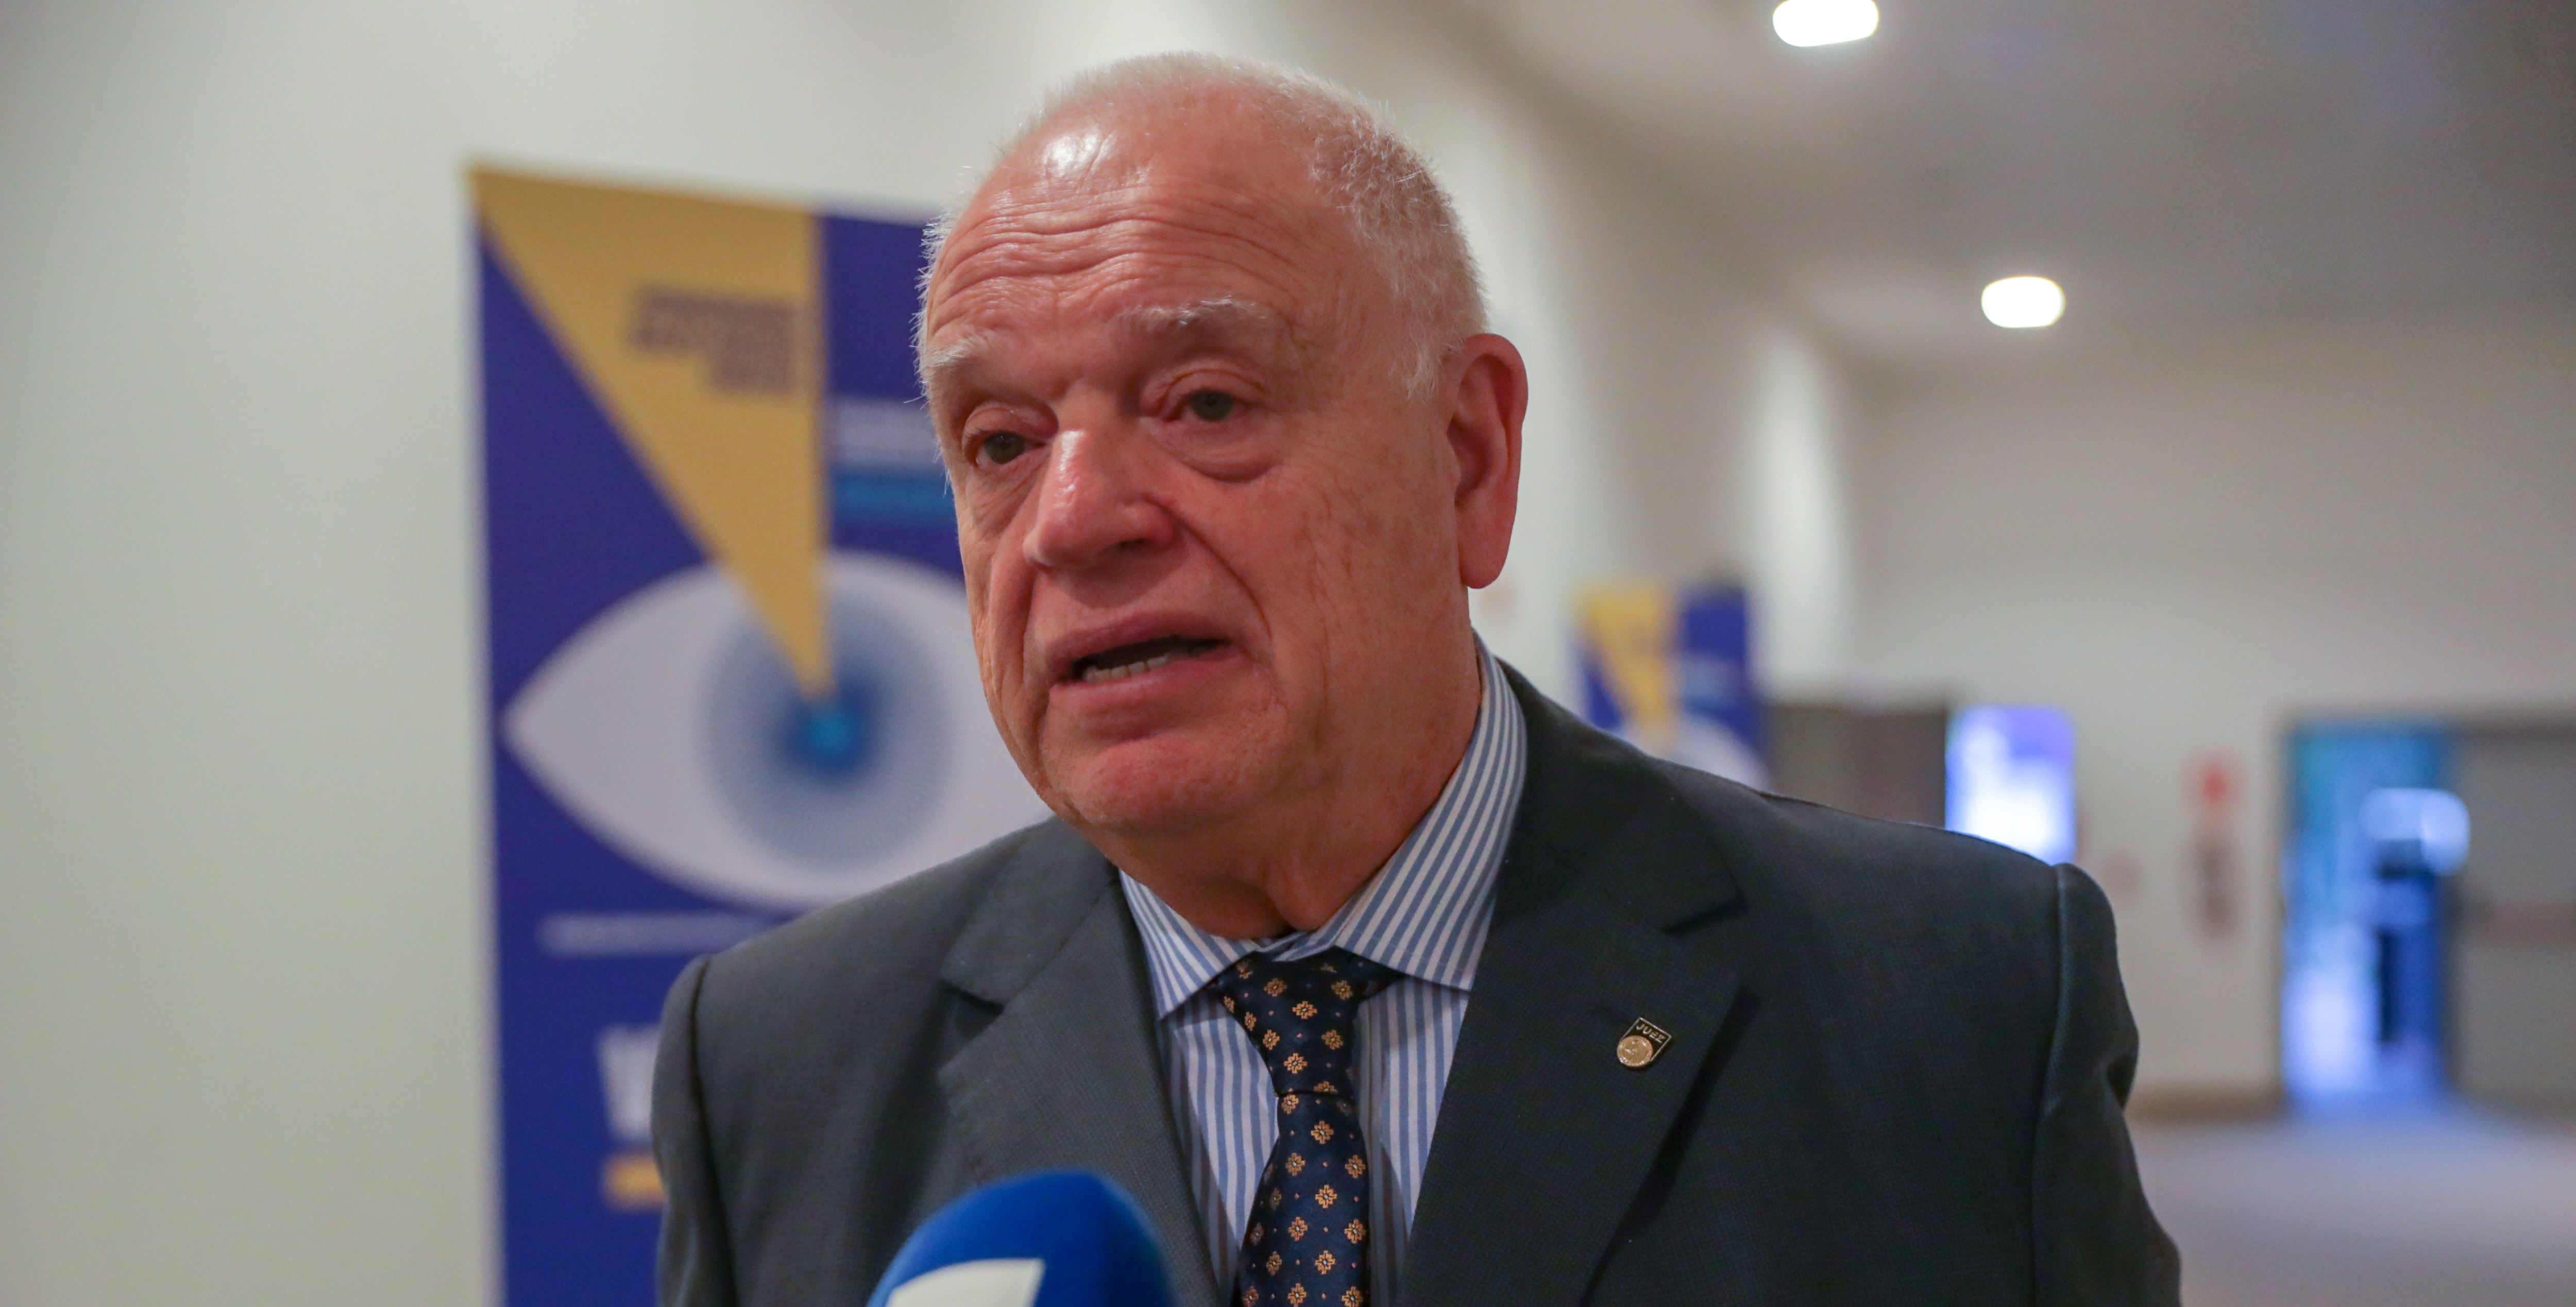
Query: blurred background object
[(2278, 514), (1669, 669), (1884, 760)]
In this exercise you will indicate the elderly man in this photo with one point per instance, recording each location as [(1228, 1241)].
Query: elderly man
[(1370, 973)]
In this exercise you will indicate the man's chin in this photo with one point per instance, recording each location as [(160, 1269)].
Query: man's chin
[(1166, 784)]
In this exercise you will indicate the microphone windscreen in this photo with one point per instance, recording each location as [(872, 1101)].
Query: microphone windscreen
[(1049, 1239)]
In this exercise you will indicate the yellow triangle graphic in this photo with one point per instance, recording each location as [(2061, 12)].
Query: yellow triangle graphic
[(1631, 628), (696, 324)]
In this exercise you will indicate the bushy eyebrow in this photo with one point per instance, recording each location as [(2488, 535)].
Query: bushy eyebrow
[(1215, 320), (1248, 330), (941, 362)]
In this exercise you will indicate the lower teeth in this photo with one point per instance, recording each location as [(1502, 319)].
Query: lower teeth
[(1122, 671)]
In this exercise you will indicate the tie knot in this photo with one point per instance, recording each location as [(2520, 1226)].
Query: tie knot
[(1301, 1014)]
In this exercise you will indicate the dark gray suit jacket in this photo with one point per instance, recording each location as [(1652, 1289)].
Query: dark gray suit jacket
[(1896, 1073)]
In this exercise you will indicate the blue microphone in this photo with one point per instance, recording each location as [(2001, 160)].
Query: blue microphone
[(1049, 1239)]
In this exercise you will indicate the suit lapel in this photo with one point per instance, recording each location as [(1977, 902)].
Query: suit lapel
[(1067, 1075), (1545, 1137)]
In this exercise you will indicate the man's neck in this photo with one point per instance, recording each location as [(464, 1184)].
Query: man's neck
[(1293, 862)]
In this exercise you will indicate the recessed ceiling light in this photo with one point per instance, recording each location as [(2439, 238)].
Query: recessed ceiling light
[(1824, 22), (2023, 302)]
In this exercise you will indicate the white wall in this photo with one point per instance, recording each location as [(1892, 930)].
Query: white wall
[(242, 932), (2187, 542), (1669, 404)]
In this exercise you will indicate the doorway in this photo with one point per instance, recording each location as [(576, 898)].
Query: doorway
[(2429, 946), (2363, 963)]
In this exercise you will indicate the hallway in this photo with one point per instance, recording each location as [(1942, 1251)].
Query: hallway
[(2425, 1210)]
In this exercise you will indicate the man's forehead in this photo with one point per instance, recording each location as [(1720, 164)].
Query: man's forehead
[(1214, 190), (1203, 231), (1175, 229), (1227, 323)]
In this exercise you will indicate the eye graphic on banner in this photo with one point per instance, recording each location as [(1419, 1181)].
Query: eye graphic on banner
[(673, 730)]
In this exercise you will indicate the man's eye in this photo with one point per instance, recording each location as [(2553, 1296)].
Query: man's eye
[(1210, 405), (1003, 446)]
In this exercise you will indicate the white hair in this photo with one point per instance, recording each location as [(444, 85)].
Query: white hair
[(1398, 211)]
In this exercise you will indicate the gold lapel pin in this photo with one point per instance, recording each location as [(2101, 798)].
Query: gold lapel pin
[(1643, 1043)]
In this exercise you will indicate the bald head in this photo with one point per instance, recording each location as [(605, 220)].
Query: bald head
[(1319, 156), (1228, 450)]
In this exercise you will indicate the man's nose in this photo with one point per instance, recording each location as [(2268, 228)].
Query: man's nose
[(1094, 502)]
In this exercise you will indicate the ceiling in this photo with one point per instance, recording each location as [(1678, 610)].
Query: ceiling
[(2174, 163)]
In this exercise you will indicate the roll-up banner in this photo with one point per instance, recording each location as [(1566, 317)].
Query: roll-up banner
[(1670, 670), (731, 678)]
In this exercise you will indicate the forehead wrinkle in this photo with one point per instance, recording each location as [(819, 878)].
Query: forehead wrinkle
[(1112, 248), (1134, 291), (1150, 229), (1215, 320), (1222, 324)]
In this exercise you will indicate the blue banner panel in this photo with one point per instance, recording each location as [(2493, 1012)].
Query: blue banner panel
[(731, 678), (1670, 670)]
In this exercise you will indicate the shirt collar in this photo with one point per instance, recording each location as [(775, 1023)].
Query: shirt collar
[(1426, 911)]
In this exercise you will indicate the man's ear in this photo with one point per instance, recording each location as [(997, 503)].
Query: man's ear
[(1488, 396)]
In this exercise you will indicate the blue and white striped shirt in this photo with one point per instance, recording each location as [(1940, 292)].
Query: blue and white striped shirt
[(1425, 915)]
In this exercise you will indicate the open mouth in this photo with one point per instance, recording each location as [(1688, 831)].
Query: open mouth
[(1135, 659)]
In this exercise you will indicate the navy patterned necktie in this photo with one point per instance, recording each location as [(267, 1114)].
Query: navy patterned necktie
[(1307, 1242)]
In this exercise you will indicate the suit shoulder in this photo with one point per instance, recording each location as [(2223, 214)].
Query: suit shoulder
[(1926, 939), (897, 935), (1860, 869)]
